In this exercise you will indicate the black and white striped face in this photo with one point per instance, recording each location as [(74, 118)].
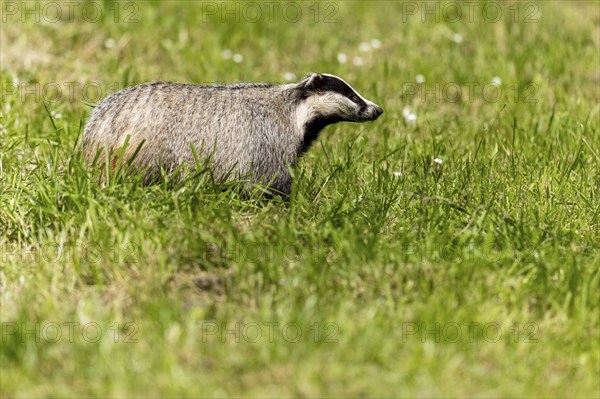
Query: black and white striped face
[(331, 98)]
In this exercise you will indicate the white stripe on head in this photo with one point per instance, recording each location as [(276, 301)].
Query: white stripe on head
[(352, 88)]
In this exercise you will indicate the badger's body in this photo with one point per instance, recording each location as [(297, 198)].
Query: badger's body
[(243, 130)]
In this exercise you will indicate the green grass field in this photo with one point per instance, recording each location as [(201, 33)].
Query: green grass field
[(387, 273)]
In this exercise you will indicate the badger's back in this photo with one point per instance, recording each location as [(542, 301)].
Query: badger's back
[(244, 129)]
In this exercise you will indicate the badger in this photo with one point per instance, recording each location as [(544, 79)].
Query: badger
[(254, 132)]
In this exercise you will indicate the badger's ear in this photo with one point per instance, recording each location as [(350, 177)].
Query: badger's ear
[(312, 81)]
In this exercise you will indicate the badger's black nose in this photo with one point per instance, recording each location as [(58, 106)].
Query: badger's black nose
[(378, 111)]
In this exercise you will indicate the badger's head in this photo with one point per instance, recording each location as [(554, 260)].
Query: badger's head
[(327, 96), (325, 99)]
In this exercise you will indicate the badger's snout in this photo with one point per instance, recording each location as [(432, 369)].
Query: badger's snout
[(372, 112), (377, 111)]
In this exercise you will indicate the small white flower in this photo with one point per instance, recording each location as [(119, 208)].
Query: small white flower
[(358, 61), (420, 78), (56, 115), (438, 161), (21, 279), (375, 43), (342, 58), (173, 333), (289, 76), (109, 43), (364, 47), (237, 58), (496, 81), (411, 119), (398, 173), (227, 54), (84, 318), (457, 38), (183, 36), (405, 111)]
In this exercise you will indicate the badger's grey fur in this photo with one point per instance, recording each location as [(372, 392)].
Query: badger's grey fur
[(252, 130)]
